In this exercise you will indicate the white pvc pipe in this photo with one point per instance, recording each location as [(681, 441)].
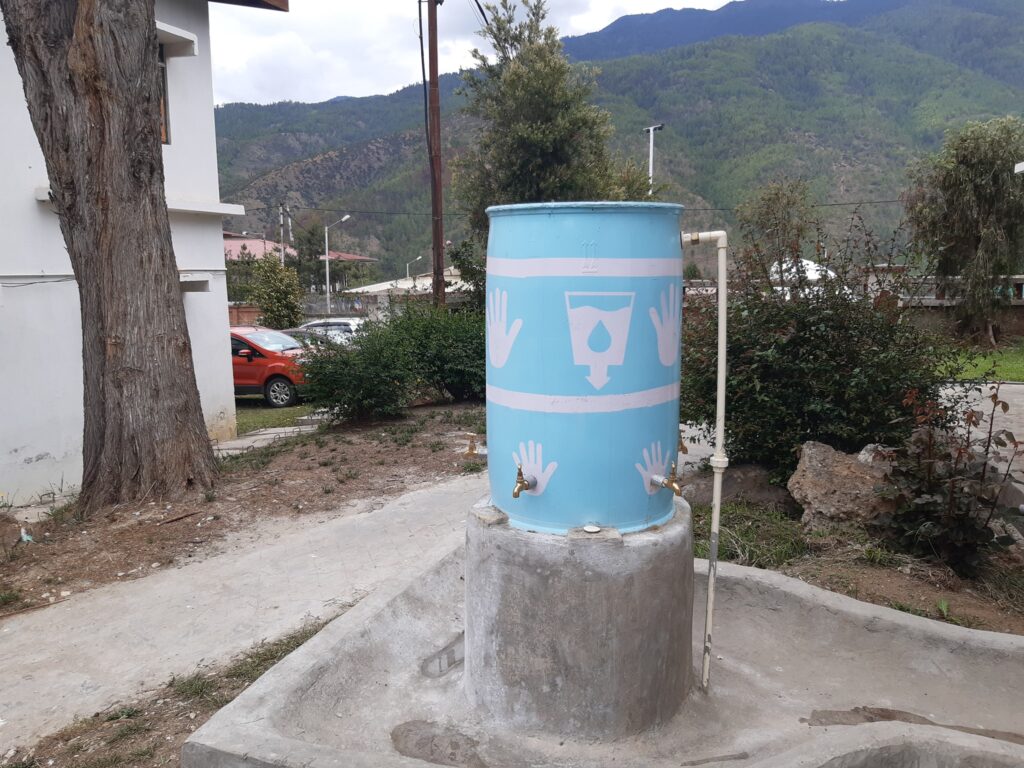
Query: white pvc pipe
[(719, 461)]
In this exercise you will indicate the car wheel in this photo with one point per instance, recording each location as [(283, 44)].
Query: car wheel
[(279, 392)]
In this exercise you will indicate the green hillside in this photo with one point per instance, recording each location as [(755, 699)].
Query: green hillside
[(846, 108)]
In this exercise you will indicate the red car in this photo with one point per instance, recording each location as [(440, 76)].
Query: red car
[(265, 363)]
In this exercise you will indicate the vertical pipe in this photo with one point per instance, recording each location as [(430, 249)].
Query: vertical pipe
[(719, 461)]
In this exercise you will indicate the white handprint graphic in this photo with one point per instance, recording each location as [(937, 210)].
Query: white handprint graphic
[(531, 458), (667, 327), (499, 338), (654, 464)]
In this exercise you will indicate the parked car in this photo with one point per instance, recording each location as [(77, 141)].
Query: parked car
[(337, 329), (265, 362)]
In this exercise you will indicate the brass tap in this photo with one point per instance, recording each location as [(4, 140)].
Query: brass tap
[(471, 451), (671, 482), (523, 483)]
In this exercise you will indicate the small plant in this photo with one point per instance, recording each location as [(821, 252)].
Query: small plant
[(328, 490), (195, 687), (325, 462), (437, 445), (472, 467), (346, 475), (946, 486), (127, 731), (905, 608), (209, 495), (878, 556), (9, 598), (124, 713)]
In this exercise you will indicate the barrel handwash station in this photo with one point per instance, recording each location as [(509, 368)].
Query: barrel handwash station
[(579, 571)]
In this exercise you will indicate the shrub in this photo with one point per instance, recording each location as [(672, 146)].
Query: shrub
[(811, 355), (371, 378), (448, 349), (417, 353), (947, 488), (275, 290)]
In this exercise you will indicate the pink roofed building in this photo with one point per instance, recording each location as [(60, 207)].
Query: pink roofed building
[(238, 243)]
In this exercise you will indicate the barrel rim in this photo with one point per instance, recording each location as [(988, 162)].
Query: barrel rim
[(569, 207)]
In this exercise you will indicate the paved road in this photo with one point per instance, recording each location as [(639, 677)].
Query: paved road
[(110, 644)]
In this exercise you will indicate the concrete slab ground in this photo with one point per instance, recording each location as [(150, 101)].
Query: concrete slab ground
[(115, 642), (801, 677), (261, 438)]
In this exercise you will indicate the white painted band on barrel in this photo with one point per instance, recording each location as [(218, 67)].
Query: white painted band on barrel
[(585, 267), (526, 401)]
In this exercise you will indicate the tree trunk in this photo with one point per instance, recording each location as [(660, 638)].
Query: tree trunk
[(91, 79)]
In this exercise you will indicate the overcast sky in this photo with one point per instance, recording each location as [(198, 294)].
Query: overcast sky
[(328, 48)]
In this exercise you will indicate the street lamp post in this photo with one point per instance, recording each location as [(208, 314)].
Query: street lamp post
[(650, 158), (327, 258), (411, 263)]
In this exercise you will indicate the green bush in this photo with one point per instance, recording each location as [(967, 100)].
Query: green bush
[(946, 486), (418, 353), (276, 291), (810, 356), (448, 350), (371, 378)]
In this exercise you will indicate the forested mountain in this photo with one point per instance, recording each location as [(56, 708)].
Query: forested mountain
[(986, 35), (845, 105)]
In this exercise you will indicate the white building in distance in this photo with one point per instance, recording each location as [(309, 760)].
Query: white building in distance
[(41, 410)]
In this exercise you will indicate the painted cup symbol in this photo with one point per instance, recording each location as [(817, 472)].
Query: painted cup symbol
[(531, 458), (500, 337), (666, 326), (655, 463), (599, 331)]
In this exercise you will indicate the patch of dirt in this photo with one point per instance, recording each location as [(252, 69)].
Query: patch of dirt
[(152, 729), (301, 478), (916, 587)]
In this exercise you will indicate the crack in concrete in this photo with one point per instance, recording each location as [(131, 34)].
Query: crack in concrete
[(863, 715)]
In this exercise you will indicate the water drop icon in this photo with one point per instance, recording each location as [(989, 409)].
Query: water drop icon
[(600, 338)]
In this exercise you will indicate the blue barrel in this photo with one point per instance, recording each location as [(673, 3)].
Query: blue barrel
[(583, 327)]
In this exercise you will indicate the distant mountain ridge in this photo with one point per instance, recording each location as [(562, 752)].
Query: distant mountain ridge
[(670, 28), (846, 106), (986, 35)]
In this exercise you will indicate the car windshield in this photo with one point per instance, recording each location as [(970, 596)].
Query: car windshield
[(275, 341)]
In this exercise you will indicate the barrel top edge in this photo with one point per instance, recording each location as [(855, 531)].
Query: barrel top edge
[(582, 207)]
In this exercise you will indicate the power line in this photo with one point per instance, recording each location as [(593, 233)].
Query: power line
[(350, 210)]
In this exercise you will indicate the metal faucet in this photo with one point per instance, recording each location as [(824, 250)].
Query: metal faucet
[(523, 483), (671, 482)]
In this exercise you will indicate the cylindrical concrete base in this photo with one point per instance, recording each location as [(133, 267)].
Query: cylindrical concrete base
[(585, 635)]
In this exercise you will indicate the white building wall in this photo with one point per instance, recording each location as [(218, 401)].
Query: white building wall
[(40, 325)]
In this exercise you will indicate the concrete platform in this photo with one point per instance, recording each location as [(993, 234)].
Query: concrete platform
[(802, 678)]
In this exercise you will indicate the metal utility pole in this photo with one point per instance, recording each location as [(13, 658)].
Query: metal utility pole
[(280, 215), (327, 258), (650, 160), (434, 121)]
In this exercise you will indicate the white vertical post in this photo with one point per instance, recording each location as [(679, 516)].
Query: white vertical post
[(327, 267), (719, 461), (650, 157), (327, 258)]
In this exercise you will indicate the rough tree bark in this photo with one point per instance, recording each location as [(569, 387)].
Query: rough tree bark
[(91, 80)]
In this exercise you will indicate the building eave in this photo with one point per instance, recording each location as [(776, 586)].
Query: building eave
[(268, 5)]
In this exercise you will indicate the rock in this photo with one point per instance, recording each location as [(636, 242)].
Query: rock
[(836, 488), (744, 482)]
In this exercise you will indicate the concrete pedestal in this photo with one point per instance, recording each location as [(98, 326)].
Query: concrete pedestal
[(586, 635)]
